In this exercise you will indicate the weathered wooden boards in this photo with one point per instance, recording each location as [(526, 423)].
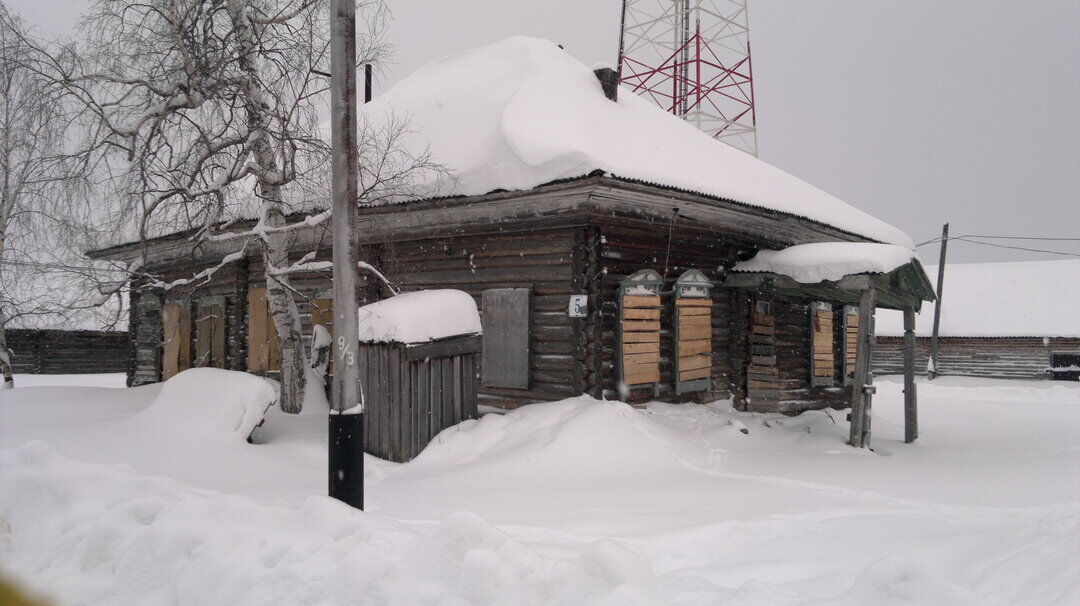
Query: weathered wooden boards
[(411, 393), (210, 333), (823, 358), (640, 337), (851, 340), (762, 374), (992, 357), (68, 351), (506, 337), (262, 349), (693, 343), (176, 322)]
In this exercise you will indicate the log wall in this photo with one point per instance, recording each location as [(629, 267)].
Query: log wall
[(51, 352), (999, 358)]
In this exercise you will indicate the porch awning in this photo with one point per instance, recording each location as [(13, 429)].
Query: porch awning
[(837, 272)]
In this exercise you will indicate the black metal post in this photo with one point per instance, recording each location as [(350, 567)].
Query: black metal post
[(347, 458)]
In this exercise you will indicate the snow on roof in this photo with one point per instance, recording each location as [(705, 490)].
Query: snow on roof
[(1021, 299), (522, 112), (418, 317), (812, 263)]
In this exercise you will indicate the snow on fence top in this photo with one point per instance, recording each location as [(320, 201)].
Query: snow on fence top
[(522, 112), (812, 263), (418, 317), (1020, 299)]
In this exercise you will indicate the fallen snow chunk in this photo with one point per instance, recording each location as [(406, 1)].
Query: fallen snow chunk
[(820, 261), (418, 317)]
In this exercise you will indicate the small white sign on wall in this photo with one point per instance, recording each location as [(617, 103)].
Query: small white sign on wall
[(579, 306)]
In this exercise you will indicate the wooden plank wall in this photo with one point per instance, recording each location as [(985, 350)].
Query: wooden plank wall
[(50, 352), (540, 260), (1002, 358), (623, 249), (639, 335)]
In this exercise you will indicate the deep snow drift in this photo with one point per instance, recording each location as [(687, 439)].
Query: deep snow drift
[(572, 502)]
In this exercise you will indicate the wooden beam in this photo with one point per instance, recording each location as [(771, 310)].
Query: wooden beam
[(860, 396), (911, 414)]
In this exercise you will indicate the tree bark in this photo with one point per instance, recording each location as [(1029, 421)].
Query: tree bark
[(279, 295)]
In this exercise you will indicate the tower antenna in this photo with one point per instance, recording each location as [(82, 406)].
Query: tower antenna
[(692, 58)]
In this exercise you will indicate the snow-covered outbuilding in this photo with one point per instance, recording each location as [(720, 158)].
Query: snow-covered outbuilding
[(599, 232), (1004, 320)]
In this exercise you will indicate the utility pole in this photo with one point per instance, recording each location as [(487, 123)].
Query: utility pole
[(932, 372), (346, 443)]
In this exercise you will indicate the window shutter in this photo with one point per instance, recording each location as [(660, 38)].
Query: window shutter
[(505, 318), (176, 322), (210, 333), (693, 334), (851, 341), (262, 340), (822, 352), (639, 329)]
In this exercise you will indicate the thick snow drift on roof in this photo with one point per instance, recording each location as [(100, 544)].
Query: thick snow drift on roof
[(418, 317), (523, 112), (1020, 299), (812, 263)]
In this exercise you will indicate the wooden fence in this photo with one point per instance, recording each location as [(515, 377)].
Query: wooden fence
[(412, 392), (1000, 357), (52, 352)]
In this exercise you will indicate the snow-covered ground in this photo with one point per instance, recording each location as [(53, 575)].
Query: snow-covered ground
[(151, 496)]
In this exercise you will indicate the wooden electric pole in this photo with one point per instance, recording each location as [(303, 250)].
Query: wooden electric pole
[(932, 371), (346, 444)]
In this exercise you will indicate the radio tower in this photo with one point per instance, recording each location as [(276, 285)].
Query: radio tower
[(692, 58)]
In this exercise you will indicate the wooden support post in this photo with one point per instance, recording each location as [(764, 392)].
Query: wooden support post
[(860, 387), (911, 413), (932, 372)]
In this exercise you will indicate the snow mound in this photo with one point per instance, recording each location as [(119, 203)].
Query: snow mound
[(522, 112), (418, 317), (209, 404), (820, 261)]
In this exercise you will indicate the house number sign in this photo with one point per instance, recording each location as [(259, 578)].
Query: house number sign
[(579, 306)]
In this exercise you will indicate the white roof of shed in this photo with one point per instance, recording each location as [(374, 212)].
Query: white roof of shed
[(1021, 299), (522, 112), (419, 317)]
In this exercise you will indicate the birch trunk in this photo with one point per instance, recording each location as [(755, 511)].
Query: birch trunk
[(283, 309)]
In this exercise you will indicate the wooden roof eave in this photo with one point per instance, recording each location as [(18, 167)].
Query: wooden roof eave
[(901, 288)]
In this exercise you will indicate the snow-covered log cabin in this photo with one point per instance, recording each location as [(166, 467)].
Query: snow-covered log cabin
[(1000, 320), (631, 254)]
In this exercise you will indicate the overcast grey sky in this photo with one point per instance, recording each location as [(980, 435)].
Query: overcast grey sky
[(918, 112)]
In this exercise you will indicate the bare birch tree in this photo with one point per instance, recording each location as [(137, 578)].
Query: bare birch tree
[(200, 112), (33, 176)]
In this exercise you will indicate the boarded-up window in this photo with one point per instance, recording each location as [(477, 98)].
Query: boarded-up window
[(639, 329), (762, 374), (262, 339), (693, 338), (210, 333), (821, 340), (506, 337), (176, 324), (851, 341)]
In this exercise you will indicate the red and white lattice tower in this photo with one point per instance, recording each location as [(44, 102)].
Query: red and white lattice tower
[(692, 57)]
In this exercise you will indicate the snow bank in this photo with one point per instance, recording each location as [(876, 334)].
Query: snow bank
[(418, 317), (819, 261), (1020, 299), (210, 403), (522, 112)]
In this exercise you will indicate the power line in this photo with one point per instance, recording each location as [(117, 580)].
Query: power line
[(1038, 250)]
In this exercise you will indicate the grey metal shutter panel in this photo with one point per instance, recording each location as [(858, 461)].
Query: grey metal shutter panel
[(506, 337)]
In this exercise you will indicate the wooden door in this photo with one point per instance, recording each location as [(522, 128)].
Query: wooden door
[(262, 339)]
